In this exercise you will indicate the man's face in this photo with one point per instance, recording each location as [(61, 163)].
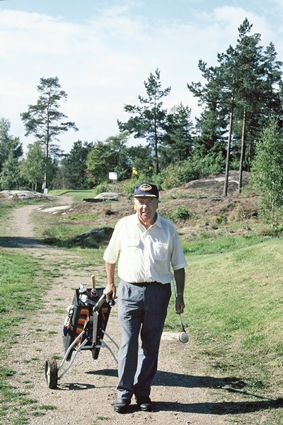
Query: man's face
[(146, 209)]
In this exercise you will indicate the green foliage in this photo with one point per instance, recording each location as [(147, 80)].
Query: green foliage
[(52, 170), (141, 160), (191, 169), (102, 187), (267, 169), (245, 85), (10, 151), (148, 120), (108, 156), (9, 145), (174, 174), (178, 140), (10, 174), (44, 119), (32, 168), (181, 213), (74, 166), (170, 176), (221, 219)]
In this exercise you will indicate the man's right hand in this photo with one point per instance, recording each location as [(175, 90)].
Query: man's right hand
[(110, 291)]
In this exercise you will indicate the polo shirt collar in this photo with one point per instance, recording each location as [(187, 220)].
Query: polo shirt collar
[(157, 221)]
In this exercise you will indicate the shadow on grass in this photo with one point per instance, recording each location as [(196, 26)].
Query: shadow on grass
[(22, 242), (92, 239)]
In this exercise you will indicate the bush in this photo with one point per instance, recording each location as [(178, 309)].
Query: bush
[(221, 219), (102, 187), (174, 175), (192, 169), (181, 213)]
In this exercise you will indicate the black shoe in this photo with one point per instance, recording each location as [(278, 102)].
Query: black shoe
[(144, 404), (121, 406)]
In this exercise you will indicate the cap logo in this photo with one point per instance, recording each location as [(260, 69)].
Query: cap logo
[(145, 187)]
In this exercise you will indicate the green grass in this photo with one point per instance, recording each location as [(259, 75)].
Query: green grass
[(65, 236), (233, 315), (5, 210), (17, 282), (20, 293), (65, 230), (78, 195), (209, 243), (234, 306)]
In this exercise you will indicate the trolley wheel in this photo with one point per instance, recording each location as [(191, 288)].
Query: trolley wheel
[(51, 373)]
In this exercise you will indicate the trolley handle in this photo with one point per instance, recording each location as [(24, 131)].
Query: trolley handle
[(101, 301)]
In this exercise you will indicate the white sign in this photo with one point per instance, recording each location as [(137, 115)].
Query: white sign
[(113, 175)]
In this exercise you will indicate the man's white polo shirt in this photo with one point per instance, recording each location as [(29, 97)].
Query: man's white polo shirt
[(146, 255)]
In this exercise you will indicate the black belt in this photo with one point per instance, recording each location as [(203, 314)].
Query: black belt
[(146, 283)]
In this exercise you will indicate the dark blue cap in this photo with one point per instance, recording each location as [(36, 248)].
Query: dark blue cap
[(146, 189)]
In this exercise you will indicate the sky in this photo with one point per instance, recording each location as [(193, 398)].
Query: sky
[(102, 52)]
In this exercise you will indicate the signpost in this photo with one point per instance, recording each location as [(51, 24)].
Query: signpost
[(113, 175)]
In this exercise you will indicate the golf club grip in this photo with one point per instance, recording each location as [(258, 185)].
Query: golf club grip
[(92, 281)]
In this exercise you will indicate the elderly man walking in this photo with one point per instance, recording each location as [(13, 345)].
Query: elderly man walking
[(149, 256)]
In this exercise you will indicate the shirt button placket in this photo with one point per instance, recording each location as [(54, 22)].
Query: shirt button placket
[(147, 257)]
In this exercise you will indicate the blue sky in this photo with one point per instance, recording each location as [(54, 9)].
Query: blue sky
[(102, 51)]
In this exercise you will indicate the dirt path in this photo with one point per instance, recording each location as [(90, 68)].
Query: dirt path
[(86, 394)]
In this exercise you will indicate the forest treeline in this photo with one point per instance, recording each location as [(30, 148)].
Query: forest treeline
[(240, 98)]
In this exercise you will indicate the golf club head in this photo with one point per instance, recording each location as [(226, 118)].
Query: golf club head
[(183, 337)]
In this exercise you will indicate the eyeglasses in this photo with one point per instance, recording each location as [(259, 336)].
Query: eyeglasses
[(148, 203)]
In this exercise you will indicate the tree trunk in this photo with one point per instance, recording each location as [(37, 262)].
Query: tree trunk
[(46, 152), (156, 149), (228, 150), (242, 152)]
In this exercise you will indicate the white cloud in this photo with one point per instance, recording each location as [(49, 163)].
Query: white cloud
[(279, 3), (103, 63), (233, 17)]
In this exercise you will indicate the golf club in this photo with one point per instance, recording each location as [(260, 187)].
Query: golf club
[(183, 337)]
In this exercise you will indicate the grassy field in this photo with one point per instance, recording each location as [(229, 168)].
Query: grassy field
[(18, 281), (78, 195), (234, 315)]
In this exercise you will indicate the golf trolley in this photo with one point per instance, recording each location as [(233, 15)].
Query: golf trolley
[(84, 329)]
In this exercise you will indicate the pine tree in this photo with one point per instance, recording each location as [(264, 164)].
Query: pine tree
[(75, 165), (178, 139), (238, 98), (148, 120), (45, 120)]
